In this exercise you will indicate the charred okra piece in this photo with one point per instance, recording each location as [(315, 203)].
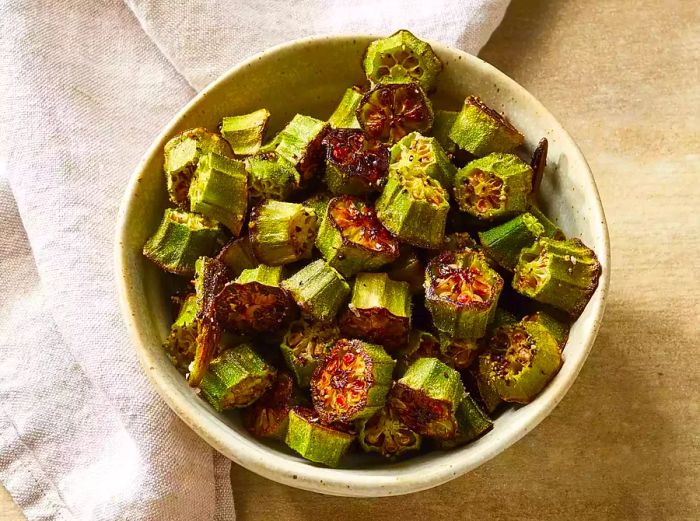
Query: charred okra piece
[(379, 311), (472, 423), (271, 176), (268, 417), (563, 274), (238, 256), (182, 154), (408, 268), (281, 232), (181, 343), (351, 382), (458, 352), (504, 242), (181, 239), (494, 186), (245, 133), (480, 130), (461, 293), (390, 111), (426, 398), (559, 330), (318, 289), (522, 359), (344, 114), (355, 164), (236, 378), (300, 144), (401, 58), (326, 444), (386, 434), (416, 152), (304, 344), (421, 344), (414, 208), (219, 190), (352, 239), (551, 229), (442, 124)]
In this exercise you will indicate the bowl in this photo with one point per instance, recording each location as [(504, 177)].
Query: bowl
[(309, 76)]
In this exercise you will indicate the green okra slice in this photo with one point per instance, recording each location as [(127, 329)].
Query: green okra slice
[(344, 114), (181, 343), (472, 423), (414, 208), (522, 359), (379, 311), (461, 293), (426, 398), (268, 417), (300, 143), (238, 256), (401, 58), (219, 190), (416, 152), (504, 242), (236, 378), (181, 238), (563, 274), (304, 344), (442, 124), (355, 164), (352, 239), (282, 232), (272, 176), (480, 130), (182, 154), (318, 289), (551, 229), (351, 382), (458, 352), (558, 329), (245, 133), (318, 203), (386, 434), (421, 344), (326, 444), (408, 268), (488, 394), (494, 186)]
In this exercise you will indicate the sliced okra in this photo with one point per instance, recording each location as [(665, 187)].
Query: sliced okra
[(318, 289), (386, 434), (401, 58), (504, 242), (238, 256), (559, 330), (344, 114), (442, 124), (355, 164), (352, 239), (414, 208), (281, 232), (417, 152), (181, 343), (480, 130), (300, 144), (271, 176), (304, 344), (268, 417), (181, 238), (421, 344), (563, 274), (379, 311), (551, 229), (245, 133), (408, 268), (236, 378), (351, 382), (326, 444), (472, 423), (318, 203), (494, 186), (458, 352), (461, 293), (488, 394)]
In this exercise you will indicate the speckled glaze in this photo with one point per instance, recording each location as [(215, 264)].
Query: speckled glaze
[(309, 76)]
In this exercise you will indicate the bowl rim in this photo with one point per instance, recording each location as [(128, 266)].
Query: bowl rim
[(378, 481)]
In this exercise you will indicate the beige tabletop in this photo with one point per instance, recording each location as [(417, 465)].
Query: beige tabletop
[(623, 76)]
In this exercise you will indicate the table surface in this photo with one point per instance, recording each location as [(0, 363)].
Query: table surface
[(624, 78)]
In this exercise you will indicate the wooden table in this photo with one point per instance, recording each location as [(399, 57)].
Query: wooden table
[(623, 77)]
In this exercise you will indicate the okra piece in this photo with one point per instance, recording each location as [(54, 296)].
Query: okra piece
[(563, 274), (326, 444), (421, 344), (254, 302), (461, 293), (268, 417), (503, 243), (387, 435), (559, 330), (355, 164), (472, 423), (181, 343), (318, 203), (408, 268), (271, 176), (401, 58), (304, 344), (319, 290), (416, 152), (245, 133), (281, 232), (442, 124), (271, 145), (388, 112), (300, 144), (351, 382), (379, 311), (219, 190), (181, 238), (414, 208), (426, 398), (352, 239), (182, 154), (488, 394), (458, 352), (551, 229), (522, 359), (238, 256), (344, 114), (480, 130), (236, 378), (494, 186)]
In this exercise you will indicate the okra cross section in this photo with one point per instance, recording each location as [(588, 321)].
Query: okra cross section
[(472, 423), (268, 417), (355, 164), (504, 242), (326, 444), (245, 133), (318, 289), (304, 344), (424, 154), (300, 143), (385, 433), (271, 176)]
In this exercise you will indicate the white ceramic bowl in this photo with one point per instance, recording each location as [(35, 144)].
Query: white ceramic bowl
[(309, 76)]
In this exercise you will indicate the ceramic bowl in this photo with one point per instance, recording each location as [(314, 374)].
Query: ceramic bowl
[(309, 76)]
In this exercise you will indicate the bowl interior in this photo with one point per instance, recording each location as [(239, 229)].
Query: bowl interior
[(309, 76)]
